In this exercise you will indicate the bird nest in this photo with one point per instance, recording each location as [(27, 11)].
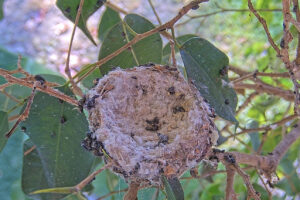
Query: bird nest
[(148, 121)]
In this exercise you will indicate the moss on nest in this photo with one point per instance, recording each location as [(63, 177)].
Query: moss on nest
[(150, 121)]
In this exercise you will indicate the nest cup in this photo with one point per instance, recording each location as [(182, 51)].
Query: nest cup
[(148, 121)]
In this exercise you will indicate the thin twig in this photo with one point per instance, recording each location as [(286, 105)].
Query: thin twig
[(10, 96), (46, 89), (13, 118), (29, 150), (75, 88), (266, 88), (264, 24), (265, 185), (154, 11), (224, 10), (25, 113), (267, 127), (88, 179), (246, 102), (245, 73), (115, 7), (251, 191), (230, 194), (297, 11)]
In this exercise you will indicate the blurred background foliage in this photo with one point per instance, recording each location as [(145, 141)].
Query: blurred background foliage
[(229, 26)]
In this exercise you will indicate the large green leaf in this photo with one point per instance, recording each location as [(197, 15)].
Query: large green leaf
[(108, 20), (167, 49), (10, 164), (205, 65), (173, 188), (69, 9), (56, 128), (33, 177), (3, 128), (1, 9), (145, 51)]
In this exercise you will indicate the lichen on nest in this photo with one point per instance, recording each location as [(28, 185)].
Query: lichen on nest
[(149, 121)]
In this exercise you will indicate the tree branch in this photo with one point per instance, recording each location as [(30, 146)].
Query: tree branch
[(261, 87), (75, 88), (264, 24), (46, 89), (230, 194)]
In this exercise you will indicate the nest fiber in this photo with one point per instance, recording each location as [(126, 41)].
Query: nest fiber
[(148, 121)]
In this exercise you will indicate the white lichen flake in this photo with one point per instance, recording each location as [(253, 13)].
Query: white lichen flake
[(148, 121)]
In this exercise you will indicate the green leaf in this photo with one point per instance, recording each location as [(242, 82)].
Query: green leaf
[(254, 136), (109, 18), (205, 65), (173, 188), (145, 51), (3, 128), (33, 176), (69, 9), (167, 49), (56, 128), (11, 164), (1, 9)]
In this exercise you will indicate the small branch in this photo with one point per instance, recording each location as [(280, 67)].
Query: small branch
[(297, 11), (283, 54), (25, 113), (154, 11), (246, 102), (245, 73), (230, 194), (264, 24), (265, 185), (268, 127), (231, 164), (139, 37), (88, 179), (76, 89), (115, 7), (29, 150), (261, 87), (224, 10), (251, 191), (242, 78), (133, 189), (10, 96), (46, 89)]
